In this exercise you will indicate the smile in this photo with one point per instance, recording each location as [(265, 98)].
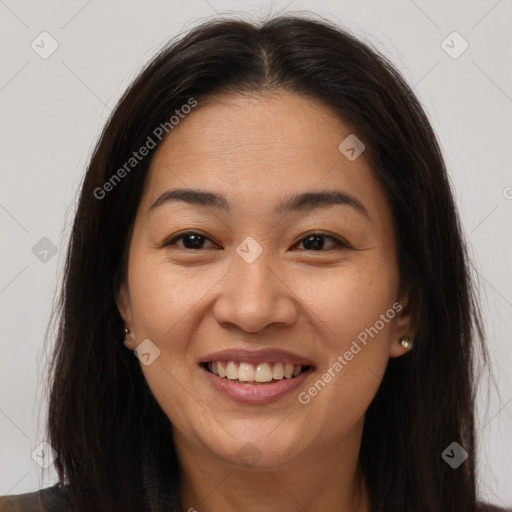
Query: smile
[(251, 391), (266, 372)]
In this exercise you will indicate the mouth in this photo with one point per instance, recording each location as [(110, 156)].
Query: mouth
[(263, 373), (255, 377)]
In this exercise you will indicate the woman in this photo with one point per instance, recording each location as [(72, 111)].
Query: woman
[(267, 301)]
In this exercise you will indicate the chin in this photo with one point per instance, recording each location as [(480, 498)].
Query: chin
[(255, 447)]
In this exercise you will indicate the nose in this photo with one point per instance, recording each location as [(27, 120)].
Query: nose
[(253, 297)]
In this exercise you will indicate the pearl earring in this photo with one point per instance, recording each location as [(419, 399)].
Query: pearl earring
[(406, 342)]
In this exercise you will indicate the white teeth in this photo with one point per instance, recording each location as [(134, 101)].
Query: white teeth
[(247, 372), (263, 373), (288, 370), (232, 371), (278, 371), (220, 369)]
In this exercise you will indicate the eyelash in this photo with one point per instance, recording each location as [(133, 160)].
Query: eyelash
[(338, 241)]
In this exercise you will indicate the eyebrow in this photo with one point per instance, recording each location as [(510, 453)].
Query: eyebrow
[(301, 202)]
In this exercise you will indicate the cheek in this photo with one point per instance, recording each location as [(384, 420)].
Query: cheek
[(346, 301), (166, 303), (164, 295), (355, 312)]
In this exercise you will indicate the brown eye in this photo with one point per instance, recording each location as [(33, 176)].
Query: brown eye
[(316, 242), (190, 240)]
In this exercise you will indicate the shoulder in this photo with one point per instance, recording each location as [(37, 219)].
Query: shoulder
[(50, 499)]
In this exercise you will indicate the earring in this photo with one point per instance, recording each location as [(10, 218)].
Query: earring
[(406, 342), (127, 336)]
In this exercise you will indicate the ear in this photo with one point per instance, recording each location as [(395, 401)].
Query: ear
[(406, 321), (124, 306)]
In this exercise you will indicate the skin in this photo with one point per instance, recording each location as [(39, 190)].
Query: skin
[(255, 149)]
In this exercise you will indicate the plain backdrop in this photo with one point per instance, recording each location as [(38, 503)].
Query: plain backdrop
[(53, 109)]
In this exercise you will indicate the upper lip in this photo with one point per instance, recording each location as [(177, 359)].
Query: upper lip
[(273, 355)]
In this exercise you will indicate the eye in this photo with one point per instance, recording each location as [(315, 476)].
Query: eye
[(191, 240), (316, 242)]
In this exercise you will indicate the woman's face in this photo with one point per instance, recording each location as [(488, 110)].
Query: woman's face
[(252, 279)]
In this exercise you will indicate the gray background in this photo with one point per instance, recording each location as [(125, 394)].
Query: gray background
[(53, 110)]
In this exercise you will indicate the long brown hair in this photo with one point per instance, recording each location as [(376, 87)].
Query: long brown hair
[(103, 419)]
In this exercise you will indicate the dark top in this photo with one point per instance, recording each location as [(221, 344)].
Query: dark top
[(51, 499), (55, 499)]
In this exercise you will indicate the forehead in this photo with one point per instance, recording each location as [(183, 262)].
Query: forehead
[(258, 148), (253, 130)]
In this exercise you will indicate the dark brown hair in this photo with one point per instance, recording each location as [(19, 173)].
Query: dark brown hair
[(103, 420)]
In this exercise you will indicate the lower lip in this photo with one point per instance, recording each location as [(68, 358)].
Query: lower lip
[(255, 393)]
